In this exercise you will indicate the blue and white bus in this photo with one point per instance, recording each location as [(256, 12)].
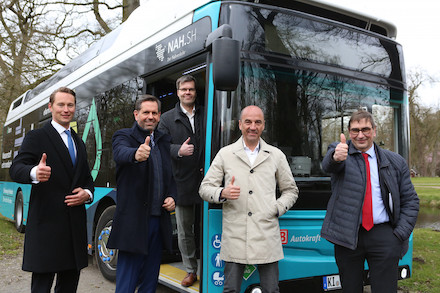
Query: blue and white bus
[(307, 64)]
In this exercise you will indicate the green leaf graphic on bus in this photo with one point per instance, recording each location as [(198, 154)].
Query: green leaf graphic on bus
[(92, 119)]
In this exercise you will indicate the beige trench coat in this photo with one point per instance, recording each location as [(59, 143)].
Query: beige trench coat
[(251, 232)]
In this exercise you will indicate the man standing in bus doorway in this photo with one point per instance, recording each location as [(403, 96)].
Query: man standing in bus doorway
[(54, 160), (185, 125), (251, 170), (145, 196), (372, 210)]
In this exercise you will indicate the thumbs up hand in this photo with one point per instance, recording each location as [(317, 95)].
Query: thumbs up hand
[(143, 152), (186, 149), (341, 150), (231, 191), (43, 171)]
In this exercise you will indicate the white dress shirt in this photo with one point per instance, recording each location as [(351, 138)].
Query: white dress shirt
[(380, 214), (61, 131)]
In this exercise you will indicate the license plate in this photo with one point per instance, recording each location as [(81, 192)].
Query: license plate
[(331, 282)]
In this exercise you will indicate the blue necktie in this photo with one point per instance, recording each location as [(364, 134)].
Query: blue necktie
[(70, 146), (152, 140)]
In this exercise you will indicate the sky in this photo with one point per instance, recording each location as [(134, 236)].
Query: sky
[(418, 31)]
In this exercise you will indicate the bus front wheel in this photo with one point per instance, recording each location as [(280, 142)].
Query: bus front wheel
[(106, 258), (18, 212)]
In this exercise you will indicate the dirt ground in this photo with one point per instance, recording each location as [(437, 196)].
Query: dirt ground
[(14, 280)]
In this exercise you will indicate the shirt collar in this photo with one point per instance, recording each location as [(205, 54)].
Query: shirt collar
[(257, 149), (371, 152), (186, 112), (58, 127)]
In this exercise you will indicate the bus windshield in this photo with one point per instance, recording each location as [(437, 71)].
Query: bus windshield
[(306, 104), (283, 32)]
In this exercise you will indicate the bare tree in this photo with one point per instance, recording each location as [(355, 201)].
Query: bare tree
[(26, 46), (425, 127), (38, 37)]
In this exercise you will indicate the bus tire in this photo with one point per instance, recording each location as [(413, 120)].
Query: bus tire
[(105, 258), (18, 212)]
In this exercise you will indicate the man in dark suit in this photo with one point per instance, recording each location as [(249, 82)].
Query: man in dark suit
[(55, 162), (185, 125), (145, 197)]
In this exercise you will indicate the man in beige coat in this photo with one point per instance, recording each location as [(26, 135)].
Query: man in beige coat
[(251, 170)]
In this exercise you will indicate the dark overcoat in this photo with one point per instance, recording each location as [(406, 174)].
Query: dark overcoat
[(56, 235), (187, 170), (134, 191)]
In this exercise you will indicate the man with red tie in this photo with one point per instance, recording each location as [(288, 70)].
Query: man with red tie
[(373, 208)]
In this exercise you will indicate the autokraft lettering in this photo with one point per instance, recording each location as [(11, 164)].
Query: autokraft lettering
[(185, 42), (306, 238)]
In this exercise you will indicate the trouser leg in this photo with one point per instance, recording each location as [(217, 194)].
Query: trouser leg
[(383, 258), (269, 276), (233, 277), (185, 219), (150, 269), (135, 269), (127, 272), (67, 281), (42, 282), (351, 268)]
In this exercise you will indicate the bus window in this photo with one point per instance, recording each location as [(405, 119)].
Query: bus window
[(305, 111)]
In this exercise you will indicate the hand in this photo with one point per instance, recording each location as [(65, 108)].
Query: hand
[(143, 152), (78, 197), (341, 150), (186, 149), (43, 171), (169, 204), (231, 191)]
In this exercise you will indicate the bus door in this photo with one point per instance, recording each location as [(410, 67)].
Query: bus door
[(163, 86)]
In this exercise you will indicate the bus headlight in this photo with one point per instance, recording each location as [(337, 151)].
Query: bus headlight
[(256, 290), (404, 273)]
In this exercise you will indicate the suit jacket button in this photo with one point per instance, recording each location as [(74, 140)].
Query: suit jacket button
[(250, 192), (250, 214), (252, 171)]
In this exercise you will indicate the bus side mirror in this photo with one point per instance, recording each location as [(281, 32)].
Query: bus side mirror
[(225, 56)]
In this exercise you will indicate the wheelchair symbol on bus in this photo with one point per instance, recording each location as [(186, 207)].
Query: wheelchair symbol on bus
[(216, 241)]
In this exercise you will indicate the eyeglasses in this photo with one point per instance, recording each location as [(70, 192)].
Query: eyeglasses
[(365, 131), (186, 90)]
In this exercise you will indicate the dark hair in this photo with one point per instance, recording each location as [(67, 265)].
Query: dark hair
[(62, 89), (146, 98), (184, 78), (362, 114)]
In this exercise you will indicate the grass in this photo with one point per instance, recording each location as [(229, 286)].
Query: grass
[(428, 189), (426, 257), (426, 260), (10, 240)]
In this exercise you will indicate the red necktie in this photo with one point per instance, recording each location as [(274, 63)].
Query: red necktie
[(367, 209)]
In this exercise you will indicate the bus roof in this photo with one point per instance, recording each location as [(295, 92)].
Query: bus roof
[(338, 13)]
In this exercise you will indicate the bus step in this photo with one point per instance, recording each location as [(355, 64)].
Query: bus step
[(171, 276)]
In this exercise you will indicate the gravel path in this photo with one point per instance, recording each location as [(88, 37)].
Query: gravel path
[(14, 280)]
